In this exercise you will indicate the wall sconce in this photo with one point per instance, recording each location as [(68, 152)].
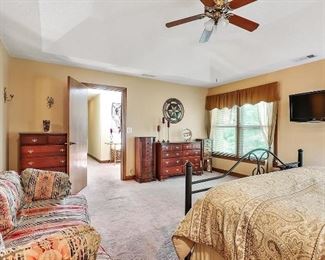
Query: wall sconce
[(50, 102), (6, 97)]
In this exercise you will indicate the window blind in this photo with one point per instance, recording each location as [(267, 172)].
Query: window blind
[(251, 129), (236, 131), (224, 131)]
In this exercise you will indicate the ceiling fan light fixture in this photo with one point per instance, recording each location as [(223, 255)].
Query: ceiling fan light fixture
[(219, 11), (209, 25), (223, 21)]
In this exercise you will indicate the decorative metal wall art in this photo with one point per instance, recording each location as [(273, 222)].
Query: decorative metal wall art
[(50, 102), (173, 110), (6, 97), (116, 111)]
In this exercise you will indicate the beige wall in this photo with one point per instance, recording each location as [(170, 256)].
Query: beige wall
[(292, 136), (4, 61), (32, 82), (94, 128)]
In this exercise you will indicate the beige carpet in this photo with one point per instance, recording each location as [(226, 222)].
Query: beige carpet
[(136, 221)]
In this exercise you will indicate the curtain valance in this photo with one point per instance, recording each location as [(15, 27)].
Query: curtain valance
[(267, 93)]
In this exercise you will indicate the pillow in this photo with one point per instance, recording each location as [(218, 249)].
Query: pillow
[(11, 195), (43, 185), (2, 244), (78, 242)]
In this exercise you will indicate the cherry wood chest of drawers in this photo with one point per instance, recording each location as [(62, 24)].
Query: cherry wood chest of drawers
[(172, 157), (145, 159), (43, 151)]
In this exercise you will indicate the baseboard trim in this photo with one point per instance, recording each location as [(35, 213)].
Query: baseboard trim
[(97, 160), (235, 174), (129, 178)]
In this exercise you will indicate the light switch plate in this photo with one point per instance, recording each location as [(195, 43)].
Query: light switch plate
[(129, 130)]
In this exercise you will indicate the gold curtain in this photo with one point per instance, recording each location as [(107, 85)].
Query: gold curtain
[(267, 93), (220, 101)]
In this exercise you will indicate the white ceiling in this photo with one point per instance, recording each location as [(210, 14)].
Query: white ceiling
[(129, 37)]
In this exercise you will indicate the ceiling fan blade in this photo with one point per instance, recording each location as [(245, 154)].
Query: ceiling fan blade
[(242, 22), (206, 35), (209, 3), (185, 20), (234, 4)]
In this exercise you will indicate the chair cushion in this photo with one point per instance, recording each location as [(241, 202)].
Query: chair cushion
[(11, 196), (42, 185), (45, 217), (79, 242)]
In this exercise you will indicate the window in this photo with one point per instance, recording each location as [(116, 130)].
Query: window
[(239, 130), (224, 129)]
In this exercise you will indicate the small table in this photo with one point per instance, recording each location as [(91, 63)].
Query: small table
[(115, 152)]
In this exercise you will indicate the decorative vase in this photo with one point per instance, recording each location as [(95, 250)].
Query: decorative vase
[(46, 126)]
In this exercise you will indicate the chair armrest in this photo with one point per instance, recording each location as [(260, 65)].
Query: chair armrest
[(79, 242)]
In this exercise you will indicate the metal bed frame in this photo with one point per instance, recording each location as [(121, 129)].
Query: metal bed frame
[(251, 156)]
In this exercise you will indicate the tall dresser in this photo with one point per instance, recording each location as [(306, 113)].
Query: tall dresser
[(145, 159), (43, 151), (171, 158)]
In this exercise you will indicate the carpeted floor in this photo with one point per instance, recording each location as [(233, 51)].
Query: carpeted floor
[(136, 221)]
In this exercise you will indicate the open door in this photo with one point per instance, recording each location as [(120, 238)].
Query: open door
[(78, 134)]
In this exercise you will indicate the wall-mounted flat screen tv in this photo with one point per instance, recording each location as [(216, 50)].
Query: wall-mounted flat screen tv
[(307, 107)]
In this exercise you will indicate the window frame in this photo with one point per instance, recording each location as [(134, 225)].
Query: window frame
[(237, 156)]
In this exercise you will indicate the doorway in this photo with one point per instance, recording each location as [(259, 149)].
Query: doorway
[(116, 142), (104, 130), (114, 139)]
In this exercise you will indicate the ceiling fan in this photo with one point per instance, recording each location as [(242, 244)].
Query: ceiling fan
[(219, 11)]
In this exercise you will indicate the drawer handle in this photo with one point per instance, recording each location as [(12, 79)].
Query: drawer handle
[(34, 140), (177, 170), (62, 161), (166, 170), (177, 161), (30, 163), (177, 147), (62, 150), (167, 154), (167, 162), (177, 154), (30, 151)]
